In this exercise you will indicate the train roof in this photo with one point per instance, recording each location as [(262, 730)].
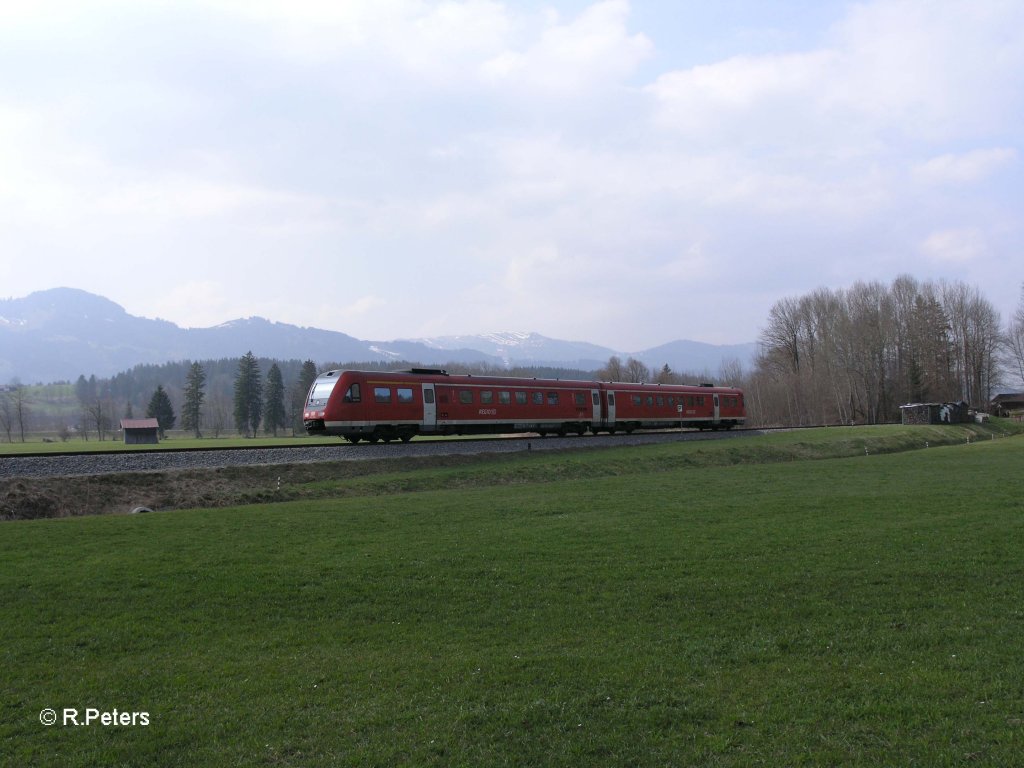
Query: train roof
[(496, 380)]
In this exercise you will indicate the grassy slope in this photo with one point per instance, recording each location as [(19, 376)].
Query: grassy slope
[(175, 443), (27, 498), (851, 611)]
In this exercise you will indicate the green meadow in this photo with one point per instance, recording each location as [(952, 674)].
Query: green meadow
[(729, 604)]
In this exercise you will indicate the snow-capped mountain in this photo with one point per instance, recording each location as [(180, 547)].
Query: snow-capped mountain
[(519, 348), (59, 334)]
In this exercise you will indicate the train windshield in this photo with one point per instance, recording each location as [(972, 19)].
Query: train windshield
[(322, 388)]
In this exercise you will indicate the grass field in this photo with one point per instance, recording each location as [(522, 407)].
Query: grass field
[(856, 611)]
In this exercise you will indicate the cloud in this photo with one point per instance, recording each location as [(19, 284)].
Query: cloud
[(536, 166), (592, 50), (715, 103), (967, 167), (955, 246)]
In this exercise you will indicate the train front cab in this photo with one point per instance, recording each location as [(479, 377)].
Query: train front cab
[(314, 412), (361, 405)]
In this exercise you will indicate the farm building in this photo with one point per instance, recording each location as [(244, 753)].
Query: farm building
[(140, 431), (1010, 404), (935, 413)]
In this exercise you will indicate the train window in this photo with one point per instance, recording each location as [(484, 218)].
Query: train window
[(520, 398), (538, 398), (504, 398), (428, 395), (700, 401), (404, 395), (597, 399), (650, 400), (352, 396), (382, 394), (486, 397), (611, 398), (581, 400), (552, 398), (637, 400), (661, 400), (466, 396)]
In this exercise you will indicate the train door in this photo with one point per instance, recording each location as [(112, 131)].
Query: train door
[(429, 409), (716, 418), (595, 416), (611, 409)]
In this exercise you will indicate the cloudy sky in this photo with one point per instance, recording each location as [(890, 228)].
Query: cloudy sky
[(625, 173)]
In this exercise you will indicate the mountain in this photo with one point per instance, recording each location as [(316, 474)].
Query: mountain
[(696, 356), (58, 334), (526, 349)]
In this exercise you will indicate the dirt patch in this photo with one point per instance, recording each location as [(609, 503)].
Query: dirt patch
[(28, 498)]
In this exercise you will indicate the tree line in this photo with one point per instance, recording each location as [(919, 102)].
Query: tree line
[(212, 396), (856, 355)]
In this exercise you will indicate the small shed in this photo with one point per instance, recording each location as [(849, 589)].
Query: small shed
[(140, 431), (935, 413)]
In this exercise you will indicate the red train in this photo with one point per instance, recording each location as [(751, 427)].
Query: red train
[(379, 405)]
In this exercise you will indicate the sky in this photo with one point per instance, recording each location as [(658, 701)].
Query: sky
[(623, 173)]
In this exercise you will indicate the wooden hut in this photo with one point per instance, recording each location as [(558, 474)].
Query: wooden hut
[(140, 431)]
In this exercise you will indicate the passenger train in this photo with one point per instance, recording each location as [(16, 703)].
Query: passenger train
[(380, 405)]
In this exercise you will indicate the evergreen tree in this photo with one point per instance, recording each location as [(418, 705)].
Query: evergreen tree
[(192, 411), (273, 407), (248, 396), (160, 408), (85, 390)]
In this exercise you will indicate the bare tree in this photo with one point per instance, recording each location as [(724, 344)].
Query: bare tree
[(613, 370), (1013, 342), (636, 371), (20, 402), (730, 372), (216, 416), (976, 339), (93, 411)]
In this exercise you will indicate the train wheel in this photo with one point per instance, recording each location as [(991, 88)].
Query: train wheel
[(406, 437), (353, 439)]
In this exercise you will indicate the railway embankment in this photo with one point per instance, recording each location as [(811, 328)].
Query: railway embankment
[(73, 486)]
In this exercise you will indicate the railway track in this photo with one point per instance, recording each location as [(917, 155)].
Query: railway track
[(162, 460)]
